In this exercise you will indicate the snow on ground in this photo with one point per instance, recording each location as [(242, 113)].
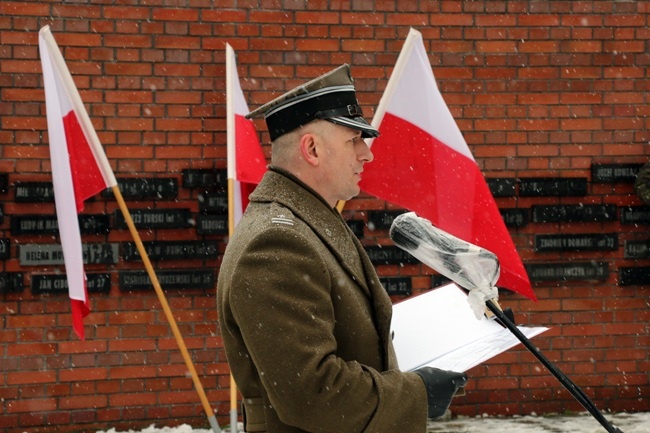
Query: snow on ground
[(627, 423)]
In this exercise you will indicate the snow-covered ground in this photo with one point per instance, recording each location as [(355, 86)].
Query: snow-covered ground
[(627, 423)]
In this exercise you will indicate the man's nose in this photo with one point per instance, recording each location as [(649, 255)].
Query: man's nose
[(366, 155)]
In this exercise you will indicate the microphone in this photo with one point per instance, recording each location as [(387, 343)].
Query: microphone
[(469, 266)]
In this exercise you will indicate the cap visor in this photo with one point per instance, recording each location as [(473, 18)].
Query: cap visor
[(358, 123)]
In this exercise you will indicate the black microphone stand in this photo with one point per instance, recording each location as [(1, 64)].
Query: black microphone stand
[(578, 393)]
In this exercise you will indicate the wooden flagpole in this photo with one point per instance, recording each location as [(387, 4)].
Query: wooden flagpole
[(168, 313), (231, 229), (231, 169)]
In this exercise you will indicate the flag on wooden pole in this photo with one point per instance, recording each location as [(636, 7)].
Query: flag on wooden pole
[(422, 162), (246, 161), (80, 169), (246, 164)]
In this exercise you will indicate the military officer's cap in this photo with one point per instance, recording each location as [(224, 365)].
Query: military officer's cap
[(330, 97)]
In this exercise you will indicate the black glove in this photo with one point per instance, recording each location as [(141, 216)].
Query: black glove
[(441, 386)]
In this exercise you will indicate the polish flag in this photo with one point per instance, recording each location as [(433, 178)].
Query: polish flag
[(246, 161), (423, 164), (79, 166)]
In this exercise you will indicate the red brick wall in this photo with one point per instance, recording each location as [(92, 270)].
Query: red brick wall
[(539, 89)]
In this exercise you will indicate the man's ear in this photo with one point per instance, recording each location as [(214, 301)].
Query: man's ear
[(309, 149)]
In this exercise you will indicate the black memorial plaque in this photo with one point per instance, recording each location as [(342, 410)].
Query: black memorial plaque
[(611, 173), (140, 188), (213, 202), (632, 215), (4, 248), (48, 224), (212, 224), (502, 187), (552, 186), (173, 250), (574, 213), (176, 279), (439, 280), (34, 192), (637, 249), (205, 178), (58, 283), (176, 218), (634, 276), (52, 254), (95, 224), (515, 217), (574, 271), (34, 224), (382, 220), (11, 282), (357, 227), (397, 286), (389, 255), (577, 242), (4, 183)]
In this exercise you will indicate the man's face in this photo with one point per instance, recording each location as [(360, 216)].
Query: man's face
[(343, 154)]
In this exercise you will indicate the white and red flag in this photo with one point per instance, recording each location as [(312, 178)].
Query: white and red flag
[(246, 161), (423, 164), (80, 169)]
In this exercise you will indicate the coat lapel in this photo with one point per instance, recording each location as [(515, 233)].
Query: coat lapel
[(282, 187)]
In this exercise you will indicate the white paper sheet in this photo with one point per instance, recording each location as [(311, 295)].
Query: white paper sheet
[(439, 329)]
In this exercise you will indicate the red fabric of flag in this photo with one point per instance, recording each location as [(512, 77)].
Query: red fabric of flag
[(87, 177), (79, 167), (422, 163)]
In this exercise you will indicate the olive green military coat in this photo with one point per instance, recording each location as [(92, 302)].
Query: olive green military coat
[(305, 322)]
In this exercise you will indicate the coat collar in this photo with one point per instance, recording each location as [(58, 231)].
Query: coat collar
[(306, 204)]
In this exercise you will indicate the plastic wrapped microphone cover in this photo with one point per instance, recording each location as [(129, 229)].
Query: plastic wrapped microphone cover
[(466, 264)]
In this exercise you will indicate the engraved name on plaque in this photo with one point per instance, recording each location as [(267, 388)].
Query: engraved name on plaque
[(173, 250), (156, 218), (587, 271), (397, 286), (48, 224), (34, 192), (574, 213), (632, 215), (213, 202), (637, 249), (52, 254), (57, 283), (169, 279), (139, 188), (552, 186), (212, 224), (389, 255), (205, 178), (611, 173), (577, 242)]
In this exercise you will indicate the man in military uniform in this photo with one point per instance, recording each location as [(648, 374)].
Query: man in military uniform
[(304, 319)]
